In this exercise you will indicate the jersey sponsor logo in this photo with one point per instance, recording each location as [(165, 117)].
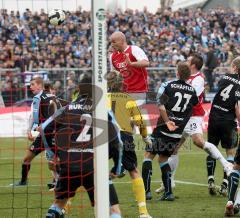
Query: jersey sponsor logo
[(121, 65), (221, 108)]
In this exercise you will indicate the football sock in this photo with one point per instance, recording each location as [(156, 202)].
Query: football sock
[(230, 159), (215, 153), (173, 161), (147, 174), (25, 170), (211, 165), (139, 191), (233, 181), (166, 177), (113, 198)]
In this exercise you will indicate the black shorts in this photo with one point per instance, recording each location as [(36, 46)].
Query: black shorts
[(129, 158), (163, 145), (37, 146), (224, 132), (68, 184)]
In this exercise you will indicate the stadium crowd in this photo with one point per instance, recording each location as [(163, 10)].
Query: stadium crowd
[(27, 41)]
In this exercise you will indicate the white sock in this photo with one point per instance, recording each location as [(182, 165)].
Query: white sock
[(173, 161), (215, 153)]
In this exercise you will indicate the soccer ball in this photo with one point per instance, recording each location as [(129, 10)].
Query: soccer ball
[(56, 17)]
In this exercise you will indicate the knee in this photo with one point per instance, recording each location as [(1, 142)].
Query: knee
[(199, 142), (51, 166), (134, 173), (27, 159)]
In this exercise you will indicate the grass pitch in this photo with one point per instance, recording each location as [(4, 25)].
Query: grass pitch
[(34, 200)]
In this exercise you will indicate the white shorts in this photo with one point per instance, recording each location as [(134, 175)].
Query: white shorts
[(194, 126), (140, 98)]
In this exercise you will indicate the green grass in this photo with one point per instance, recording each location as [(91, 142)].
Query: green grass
[(34, 200)]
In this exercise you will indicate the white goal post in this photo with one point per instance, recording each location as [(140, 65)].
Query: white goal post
[(101, 171)]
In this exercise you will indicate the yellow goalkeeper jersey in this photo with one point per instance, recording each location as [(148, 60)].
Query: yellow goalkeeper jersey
[(126, 112)]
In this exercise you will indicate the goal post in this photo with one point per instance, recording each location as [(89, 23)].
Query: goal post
[(101, 172)]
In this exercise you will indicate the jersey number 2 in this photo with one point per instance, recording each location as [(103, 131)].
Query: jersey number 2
[(84, 136), (177, 107)]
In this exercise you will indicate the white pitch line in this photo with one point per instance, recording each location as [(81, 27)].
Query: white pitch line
[(154, 181), (181, 153)]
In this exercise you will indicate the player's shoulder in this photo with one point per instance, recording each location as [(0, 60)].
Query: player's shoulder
[(135, 48), (197, 77)]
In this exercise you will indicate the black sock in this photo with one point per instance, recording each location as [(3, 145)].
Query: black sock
[(225, 175), (211, 165), (25, 170), (147, 174), (166, 177), (233, 181)]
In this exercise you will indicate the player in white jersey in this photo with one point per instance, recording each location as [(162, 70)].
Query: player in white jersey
[(194, 125)]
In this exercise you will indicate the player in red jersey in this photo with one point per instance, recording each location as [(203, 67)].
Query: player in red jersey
[(131, 61), (194, 125)]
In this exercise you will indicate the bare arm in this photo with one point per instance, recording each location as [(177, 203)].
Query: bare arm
[(163, 113), (237, 110)]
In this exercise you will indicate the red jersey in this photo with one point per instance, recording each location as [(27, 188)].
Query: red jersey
[(134, 78), (197, 82)]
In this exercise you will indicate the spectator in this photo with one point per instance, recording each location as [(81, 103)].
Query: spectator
[(210, 65)]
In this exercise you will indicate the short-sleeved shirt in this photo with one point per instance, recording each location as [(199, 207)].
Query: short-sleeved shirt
[(223, 106), (178, 97), (135, 79)]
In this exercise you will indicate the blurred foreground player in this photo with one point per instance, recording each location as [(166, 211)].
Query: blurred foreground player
[(74, 150)]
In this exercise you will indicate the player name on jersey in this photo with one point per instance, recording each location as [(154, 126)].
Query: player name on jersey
[(183, 87), (234, 80), (79, 107)]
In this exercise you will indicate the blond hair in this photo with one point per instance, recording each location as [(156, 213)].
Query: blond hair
[(236, 63)]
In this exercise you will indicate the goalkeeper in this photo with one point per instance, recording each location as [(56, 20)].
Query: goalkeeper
[(127, 115)]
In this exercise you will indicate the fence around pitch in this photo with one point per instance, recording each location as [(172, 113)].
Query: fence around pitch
[(14, 84)]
